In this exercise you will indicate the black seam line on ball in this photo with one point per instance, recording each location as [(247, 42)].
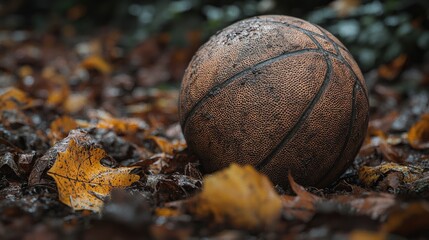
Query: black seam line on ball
[(291, 133), (217, 88), (347, 140), (342, 58)]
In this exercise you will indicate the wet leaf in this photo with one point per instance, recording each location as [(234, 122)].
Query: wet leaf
[(372, 175), (418, 135), (82, 181), (302, 206), (239, 196)]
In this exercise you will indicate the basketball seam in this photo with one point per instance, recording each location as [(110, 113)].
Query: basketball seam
[(217, 88), (349, 132), (342, 58), (291, 133)]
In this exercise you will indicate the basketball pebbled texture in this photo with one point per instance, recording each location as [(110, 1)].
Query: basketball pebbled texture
[(278, 93)]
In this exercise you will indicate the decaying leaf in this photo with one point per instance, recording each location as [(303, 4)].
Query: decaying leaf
[(13, 98), (81, 179), (61, 127), (418, 135), (120, 126), (165, 146), (97, 63), (371, 175), (239, 196), (302, 206), (372, 204)]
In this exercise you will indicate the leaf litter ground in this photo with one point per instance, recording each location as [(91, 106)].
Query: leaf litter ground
[(77, 125)]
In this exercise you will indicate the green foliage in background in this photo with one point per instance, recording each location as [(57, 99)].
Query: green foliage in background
[(375, 31)]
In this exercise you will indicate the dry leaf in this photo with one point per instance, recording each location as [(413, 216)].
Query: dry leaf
[(371, 175), (167, 147), (372, 204), (418, 135), (239, 196), (97, 63), (302, 206), (13, 98), (82, 181), (118, 125), (61, 127)]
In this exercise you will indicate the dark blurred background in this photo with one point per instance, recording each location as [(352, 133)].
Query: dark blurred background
[(383, 35)]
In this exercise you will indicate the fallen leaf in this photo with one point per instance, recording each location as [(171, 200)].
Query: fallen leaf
[(392, 70), (372, 204), (119, 125), (13, 98), (165, 146), (302, 206), (61, 127), (97, 63), (240, 196), (410, 220), (8, 160), (81, 179), (371, 175), (418, 135)]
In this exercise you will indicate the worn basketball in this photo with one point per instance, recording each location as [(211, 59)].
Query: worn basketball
[(278, 93)]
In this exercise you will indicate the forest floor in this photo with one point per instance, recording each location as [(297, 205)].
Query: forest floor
[(79, 118)]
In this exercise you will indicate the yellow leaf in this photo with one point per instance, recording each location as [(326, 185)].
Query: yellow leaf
[(418, 135), (97, 63), (165, 146), (61, 127), (81, 179), (239, 196), (366, 235), (13, 98), (371, 175)]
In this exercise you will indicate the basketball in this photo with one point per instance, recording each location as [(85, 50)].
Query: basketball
[(278, 93)]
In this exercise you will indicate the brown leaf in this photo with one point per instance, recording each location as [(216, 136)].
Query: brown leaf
[(13, 98), (372, 204), (418, 135), (239, 196), (408, 220), (371, 175), (392, 70), (302, 206), (167, 147), (81, 179)]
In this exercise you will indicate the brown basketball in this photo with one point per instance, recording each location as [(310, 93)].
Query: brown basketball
[(278, 93)]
